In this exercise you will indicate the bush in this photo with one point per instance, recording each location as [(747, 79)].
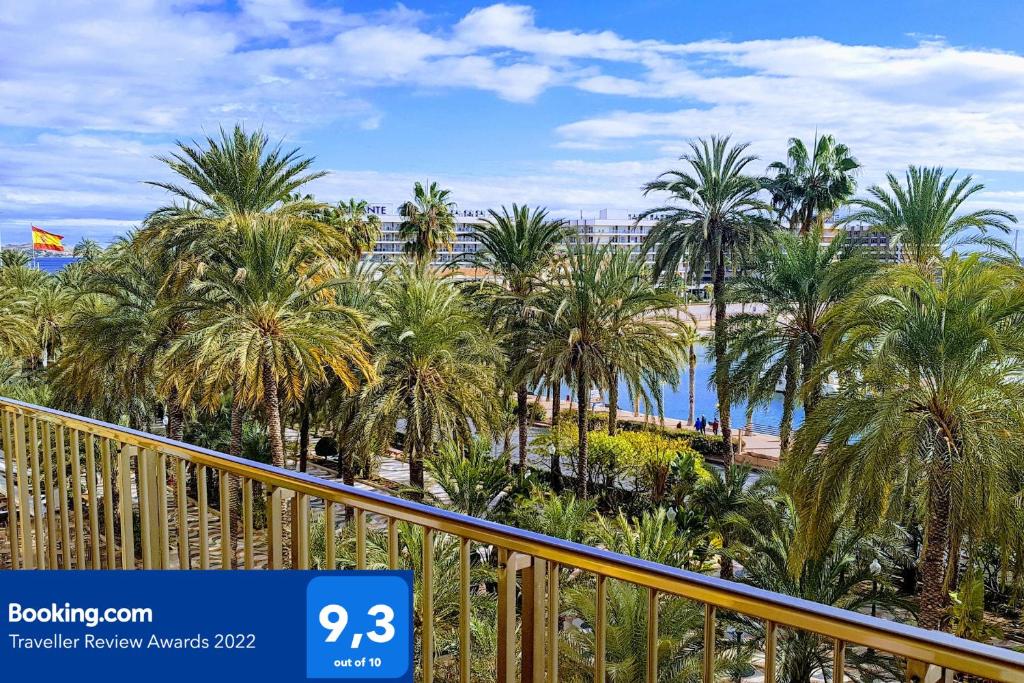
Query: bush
[(535, 412)]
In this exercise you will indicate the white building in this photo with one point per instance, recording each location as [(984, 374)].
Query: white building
[(618, 228)]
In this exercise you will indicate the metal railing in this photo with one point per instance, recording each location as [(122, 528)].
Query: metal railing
[(89, 495)]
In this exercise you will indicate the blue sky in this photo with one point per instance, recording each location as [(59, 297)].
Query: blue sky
[(570, 104)]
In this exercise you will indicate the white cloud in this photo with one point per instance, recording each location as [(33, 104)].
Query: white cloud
[(118, 81)]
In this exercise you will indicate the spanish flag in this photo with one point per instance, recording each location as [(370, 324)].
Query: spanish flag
[(46, 241)]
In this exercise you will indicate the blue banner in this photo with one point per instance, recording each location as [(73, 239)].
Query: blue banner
[(207, 625)]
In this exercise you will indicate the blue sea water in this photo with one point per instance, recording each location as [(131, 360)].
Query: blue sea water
[(676, 401), (54, 264)]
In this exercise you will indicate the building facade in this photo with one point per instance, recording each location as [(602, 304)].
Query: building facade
[(618, 228)]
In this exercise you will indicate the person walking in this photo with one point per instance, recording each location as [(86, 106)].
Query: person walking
[(714, 427)]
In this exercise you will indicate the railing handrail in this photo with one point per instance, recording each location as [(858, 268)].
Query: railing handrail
[(908, 641)]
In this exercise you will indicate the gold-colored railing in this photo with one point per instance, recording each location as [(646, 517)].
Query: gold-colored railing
[(78, 490)]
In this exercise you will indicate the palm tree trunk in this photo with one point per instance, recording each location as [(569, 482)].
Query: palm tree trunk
[(521, 414), (613, 401), (722, 384), (175, 416), (936, 542), (235, 490), (583, 468), (788, 403), (556, 404), (692, 413), (724, 562), (303, 436), (415, 457), (272, 403)]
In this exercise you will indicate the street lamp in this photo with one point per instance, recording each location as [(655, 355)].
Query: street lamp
[(875, 568)]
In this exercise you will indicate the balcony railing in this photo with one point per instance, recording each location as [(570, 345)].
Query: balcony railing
[(89, 495)]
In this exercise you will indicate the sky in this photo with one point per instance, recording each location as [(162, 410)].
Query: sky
[(572, 105)]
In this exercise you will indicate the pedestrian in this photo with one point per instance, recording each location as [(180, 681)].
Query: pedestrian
[(714, 427), (679, 425), (703, 425)]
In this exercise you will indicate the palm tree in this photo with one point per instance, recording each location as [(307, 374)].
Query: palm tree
[(721, 498), (718, 215), (355, 220), (689, 335), (436, 365), (50, 303), (264, 312), (117, 337), (798, 280), (516, 248), (87, 249), (646, 338), (837, 577), (228, 178), (807, 188), (923, 217), (472, 481), (938, 355), (429, 224)]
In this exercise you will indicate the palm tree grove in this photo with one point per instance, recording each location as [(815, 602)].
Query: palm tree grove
[(525, 383)]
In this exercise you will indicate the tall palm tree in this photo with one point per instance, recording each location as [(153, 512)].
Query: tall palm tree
[(516, 248), (690, 337), (362, 227), (228, 178), (809, 186), (716, 214), (264, 312), (429, 224), (646, 337), (797, 281), (938, 355), (119, 331), (923, 217), (87, 249), (436, 364)]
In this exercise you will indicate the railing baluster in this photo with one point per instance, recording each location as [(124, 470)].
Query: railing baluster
[(51, 496), (127, 531), (162, 511), (62, 492), (247, 521), (274, 543), (652, 635), (427, 603), (224, 484), (532, 629), (184, 556), (360, 539), (770, 642), (37, 500), (108, 502), (91, 494), (465, 616), (392, 543), (839, 661), (147, 518), (506, 618), (76, 493), (28, 551), (554, 586), (709, 643), (300, 531), (204, 518), (330, 553), (12, 499), (600, 628)]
